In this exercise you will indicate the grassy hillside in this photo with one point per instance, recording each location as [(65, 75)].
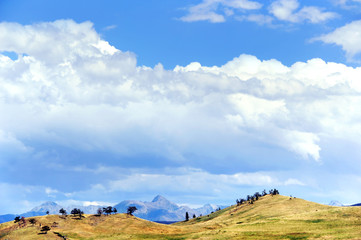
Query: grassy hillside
[(276, 217), (280, 217)]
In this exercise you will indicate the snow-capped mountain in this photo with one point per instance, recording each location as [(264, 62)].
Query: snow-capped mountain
[(161, 209), (52, 207)]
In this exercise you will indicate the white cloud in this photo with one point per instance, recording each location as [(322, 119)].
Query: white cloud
[(215, 11), (110, 27), (20, 198), (195, 180), (93, 97), (346, 3), (49, 191), (288, 10), (348, 37)]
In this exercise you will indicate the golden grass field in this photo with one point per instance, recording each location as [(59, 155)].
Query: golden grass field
[(271, 217)]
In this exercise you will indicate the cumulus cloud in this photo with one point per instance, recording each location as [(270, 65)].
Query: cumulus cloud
[(96, 94), (288, 10), (83, 102), (348, 37), (216, 10)]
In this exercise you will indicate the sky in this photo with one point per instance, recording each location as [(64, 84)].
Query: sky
[(201, 101)]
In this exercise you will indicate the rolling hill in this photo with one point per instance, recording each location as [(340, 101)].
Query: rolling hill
[(271, 217)]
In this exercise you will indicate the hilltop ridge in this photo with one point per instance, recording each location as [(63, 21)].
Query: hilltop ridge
[(270, 217)]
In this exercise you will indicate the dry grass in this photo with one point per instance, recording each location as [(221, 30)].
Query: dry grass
[(275, 217)]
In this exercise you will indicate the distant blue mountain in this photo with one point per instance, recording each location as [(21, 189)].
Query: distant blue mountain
[(159, 210), (7, 217), (162, 210), (336, 203), (52, 207)]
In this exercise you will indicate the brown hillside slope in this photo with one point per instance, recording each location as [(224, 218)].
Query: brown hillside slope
[(279, 217), (119, 226), (276, 217)]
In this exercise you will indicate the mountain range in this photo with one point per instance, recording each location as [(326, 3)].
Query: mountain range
[(159, 209)]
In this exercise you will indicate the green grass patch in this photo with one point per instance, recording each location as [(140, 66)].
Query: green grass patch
[(315, 221)]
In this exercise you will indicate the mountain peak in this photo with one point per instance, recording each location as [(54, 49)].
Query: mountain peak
[(52, 207), (49, 203), (160, 198), (161, 202), (335, 203)]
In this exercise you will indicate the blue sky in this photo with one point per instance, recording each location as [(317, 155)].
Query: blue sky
[(201, 101)]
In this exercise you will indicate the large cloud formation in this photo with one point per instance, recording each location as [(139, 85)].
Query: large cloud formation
[(70, 91)]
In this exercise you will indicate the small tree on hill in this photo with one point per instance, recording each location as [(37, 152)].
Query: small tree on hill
[(264, 193), (274, 192), (23, 221), (63, 212), (45, 229), (108, 210), (81, 213), (32, 221), (17, 219), (194, 216), (187, 216), (131, 210), (75, 211), (100, 211), (47, 212)]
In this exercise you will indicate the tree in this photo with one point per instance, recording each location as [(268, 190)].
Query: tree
[(256, 195), (17, 219), (32, 221), (80, 213), (264, 193), (274, 192), (45, 229), (108, 210), (62, 211), (194, 216), (187, 216), (47, 212), (75, 211), (115, 210), (131, 210), (99, 211)]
